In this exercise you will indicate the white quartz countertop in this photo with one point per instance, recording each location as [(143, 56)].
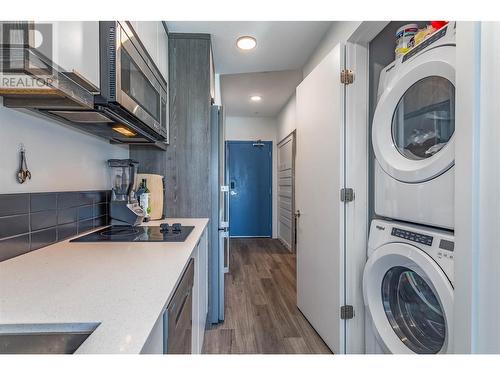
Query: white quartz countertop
[(122, 285)]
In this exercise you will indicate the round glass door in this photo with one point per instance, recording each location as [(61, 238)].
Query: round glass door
[(424, 118), (413, 310)]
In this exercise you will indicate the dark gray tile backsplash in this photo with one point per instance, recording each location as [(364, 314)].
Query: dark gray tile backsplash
[(67, 230), (14, 225), (43, 219), (14, 246), (14, 204), (43, 202), (85, 225), (67, 215), (43, 238), (33, 220), (85, 212)]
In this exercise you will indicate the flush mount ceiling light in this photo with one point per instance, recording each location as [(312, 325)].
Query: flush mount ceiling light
[(256, 98), (246, 43)]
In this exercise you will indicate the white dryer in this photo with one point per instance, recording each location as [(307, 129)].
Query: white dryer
[(408, 289), (413, 134)]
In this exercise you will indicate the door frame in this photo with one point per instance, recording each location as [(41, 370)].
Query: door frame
[(476, 182), (356, 222), (293, 135), (227, 166)]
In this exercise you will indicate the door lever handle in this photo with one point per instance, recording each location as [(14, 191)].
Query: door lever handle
[(233, 192)]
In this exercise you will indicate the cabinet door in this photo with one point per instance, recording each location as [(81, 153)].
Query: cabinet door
[(200, 293), (76, 48), (147, 31), (155, 39), (212, 76), (195, 349), (163, 51)]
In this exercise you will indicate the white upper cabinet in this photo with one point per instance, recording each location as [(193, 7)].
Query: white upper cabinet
[(75, 45), (76, 48), (155, 39), (163, 50), (148, 34), (72, 45)]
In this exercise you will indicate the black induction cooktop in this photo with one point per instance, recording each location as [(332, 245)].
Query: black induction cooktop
[(161, 233)]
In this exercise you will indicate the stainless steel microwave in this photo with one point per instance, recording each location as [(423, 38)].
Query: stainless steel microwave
[(130, 78)]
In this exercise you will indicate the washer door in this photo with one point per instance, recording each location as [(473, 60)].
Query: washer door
[(409, 299), (414, 121)]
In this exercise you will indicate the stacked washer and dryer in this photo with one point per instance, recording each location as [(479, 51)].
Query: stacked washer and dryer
[(408, 277)]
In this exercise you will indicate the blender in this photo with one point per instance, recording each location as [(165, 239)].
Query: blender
[(124, 208)]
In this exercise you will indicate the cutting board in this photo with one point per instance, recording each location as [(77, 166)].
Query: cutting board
[(155, 186)]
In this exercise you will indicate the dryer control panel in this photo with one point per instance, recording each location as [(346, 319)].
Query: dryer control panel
[(426, 43), (412, 236)]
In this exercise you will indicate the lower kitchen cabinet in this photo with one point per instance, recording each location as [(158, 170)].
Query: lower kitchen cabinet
[(161, 334), (200, 294)]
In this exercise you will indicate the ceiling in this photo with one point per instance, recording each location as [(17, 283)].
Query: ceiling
[(281, 45), (273, 69), (274, 87)]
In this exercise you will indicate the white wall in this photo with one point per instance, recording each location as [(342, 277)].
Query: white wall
[(488, 262), (59, 158), (218, 96), (340, 31), (253, 128), (286, 118), (477, 182)]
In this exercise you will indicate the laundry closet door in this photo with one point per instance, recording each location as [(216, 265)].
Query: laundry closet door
[(319, 179), (286, 227)]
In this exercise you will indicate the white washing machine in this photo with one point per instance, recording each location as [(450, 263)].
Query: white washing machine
[(408, 289), (413, 134)]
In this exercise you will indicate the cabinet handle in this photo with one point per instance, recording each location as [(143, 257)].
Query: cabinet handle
[(182, 307)]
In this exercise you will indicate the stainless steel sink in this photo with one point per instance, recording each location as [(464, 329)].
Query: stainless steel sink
[(57, 338)]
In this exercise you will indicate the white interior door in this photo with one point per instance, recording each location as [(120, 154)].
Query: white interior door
[(285, 192), (319, 178)]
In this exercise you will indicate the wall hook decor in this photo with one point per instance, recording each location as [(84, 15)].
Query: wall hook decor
[(23, 173)]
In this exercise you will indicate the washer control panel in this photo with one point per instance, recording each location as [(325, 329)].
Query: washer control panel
[(447, 245), (437, 243), (412, 236)]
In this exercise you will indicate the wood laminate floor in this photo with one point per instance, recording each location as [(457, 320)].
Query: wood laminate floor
[(261, 315)]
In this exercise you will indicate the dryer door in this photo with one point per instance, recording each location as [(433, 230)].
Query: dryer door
[(414, 122), (409, 299)]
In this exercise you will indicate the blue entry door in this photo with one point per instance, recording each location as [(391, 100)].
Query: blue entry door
[(249, 167)]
